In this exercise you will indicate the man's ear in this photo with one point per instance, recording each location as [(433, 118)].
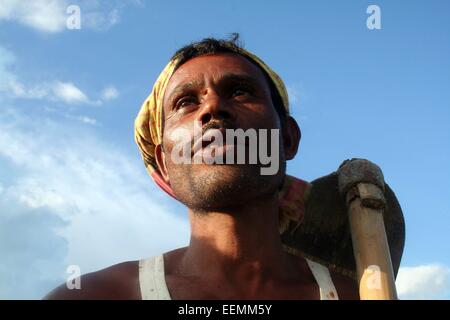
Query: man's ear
[(161, 162), (291, 137)]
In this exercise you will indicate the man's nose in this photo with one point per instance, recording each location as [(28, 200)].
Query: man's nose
[(214, 107)]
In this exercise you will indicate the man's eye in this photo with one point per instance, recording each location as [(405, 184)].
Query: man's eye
[(241, 90), (185, 102)]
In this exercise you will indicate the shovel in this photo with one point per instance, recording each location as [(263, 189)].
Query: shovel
[(354, 225)]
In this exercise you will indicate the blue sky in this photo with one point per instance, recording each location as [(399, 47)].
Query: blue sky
[(73, 189)]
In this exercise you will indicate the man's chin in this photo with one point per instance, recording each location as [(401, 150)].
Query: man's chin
[(219, 175), (211, 187)]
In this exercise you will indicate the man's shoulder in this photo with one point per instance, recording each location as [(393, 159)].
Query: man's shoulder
[(120, 281)]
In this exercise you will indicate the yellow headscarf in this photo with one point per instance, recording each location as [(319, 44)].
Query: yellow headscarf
[(148, 134)]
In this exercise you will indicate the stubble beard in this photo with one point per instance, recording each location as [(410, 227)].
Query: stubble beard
[(219, 187)]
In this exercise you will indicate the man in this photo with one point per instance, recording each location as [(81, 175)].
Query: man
[(236, 213)]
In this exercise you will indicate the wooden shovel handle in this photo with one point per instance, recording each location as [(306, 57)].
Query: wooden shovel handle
[(371, 250), (362, 185)]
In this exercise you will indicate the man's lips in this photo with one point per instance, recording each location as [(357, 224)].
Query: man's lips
[(207, 138), (203, 144)]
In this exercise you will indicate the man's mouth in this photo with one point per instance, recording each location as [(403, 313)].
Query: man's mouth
[(220, 144), (207, 138)]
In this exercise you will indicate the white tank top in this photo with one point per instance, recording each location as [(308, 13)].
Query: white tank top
[(153, 285)]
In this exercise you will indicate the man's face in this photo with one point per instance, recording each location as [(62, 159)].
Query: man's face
[(221, 91)]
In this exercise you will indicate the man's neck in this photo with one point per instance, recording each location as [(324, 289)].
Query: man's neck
[(239, 242)]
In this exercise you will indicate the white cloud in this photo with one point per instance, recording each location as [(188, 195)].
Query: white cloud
[(66, 92), (42, 15), (87, 120), (82, 119), (63, 91), (37, 197), (109, 93), (12, 87), (69, 93), (51, 16), (9, 82), (95, 204), (423, 282), (101, 21)]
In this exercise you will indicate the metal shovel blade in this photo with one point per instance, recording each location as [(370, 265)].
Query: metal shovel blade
[(324, 234)]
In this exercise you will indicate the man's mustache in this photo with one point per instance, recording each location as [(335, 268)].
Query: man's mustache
[(218, 124), (199, 139)]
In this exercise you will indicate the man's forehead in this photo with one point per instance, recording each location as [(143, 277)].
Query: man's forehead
[(213, 65)]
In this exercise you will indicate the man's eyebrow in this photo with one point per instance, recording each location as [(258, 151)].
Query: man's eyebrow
[(226, 78), (230, 78), (186, 86)]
